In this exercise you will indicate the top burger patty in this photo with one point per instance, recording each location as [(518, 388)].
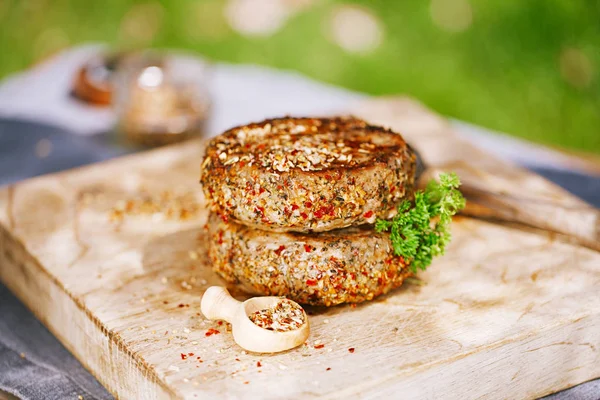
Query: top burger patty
[(307, 174)]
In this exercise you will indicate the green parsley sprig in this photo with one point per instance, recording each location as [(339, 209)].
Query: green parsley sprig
[(421, 229)]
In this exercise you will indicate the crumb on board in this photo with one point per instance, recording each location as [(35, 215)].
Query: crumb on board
[(166, 205)]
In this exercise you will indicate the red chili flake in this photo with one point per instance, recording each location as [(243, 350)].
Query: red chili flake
[(191, 354), (311, 282), (225, 218), (258, 364), (379, 280), (242, 164), (247, 382), (295, 207), (220, 323), (328, 369), (304, 215), (181, 305), (319, 346), (211, 332), (328, 177), (237, 359), (307, 248), (220, 237), (261, 146), (279, 250), (260, 210), (184, 356), (351, 349), (320, 212), (308, 204), (369, 214), (261, 190)]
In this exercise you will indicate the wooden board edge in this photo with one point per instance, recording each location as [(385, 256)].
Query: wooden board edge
[(573, 340), (98, 350)]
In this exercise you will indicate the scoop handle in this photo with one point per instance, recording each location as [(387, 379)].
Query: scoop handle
[(217, 303)]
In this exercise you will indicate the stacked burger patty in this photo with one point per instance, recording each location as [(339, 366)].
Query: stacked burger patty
[(293, 200)]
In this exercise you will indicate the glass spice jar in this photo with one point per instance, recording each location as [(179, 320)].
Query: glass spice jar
[(161, 99)]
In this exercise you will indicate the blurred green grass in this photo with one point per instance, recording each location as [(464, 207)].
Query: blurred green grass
[(527, 68)]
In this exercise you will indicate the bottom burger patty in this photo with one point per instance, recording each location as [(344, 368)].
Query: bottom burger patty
[(347, 265)]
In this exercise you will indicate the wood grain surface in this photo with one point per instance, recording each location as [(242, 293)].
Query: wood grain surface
[(507, 313)]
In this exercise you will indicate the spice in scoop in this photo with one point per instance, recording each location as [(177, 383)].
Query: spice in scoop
[(284, 316)]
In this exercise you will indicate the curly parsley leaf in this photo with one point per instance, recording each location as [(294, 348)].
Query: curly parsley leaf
[(421, 229)]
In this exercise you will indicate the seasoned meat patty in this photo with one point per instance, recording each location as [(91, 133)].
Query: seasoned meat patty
[(307, 174), (347, 265)]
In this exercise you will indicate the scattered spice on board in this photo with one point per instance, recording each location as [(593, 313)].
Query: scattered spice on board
[(319, 346), (284, 316), (258, 364), (351, 349), (166, 205), (211, 332), (328, 369)]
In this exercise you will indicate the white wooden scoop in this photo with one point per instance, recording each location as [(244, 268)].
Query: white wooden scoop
[(217, 303)]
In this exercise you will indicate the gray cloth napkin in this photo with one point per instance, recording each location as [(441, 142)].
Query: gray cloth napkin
[(33, 364)]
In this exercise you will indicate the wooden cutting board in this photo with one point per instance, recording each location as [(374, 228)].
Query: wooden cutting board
[(508, 313)]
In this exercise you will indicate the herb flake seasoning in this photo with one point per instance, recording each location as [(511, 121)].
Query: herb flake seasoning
[(284, 316)]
